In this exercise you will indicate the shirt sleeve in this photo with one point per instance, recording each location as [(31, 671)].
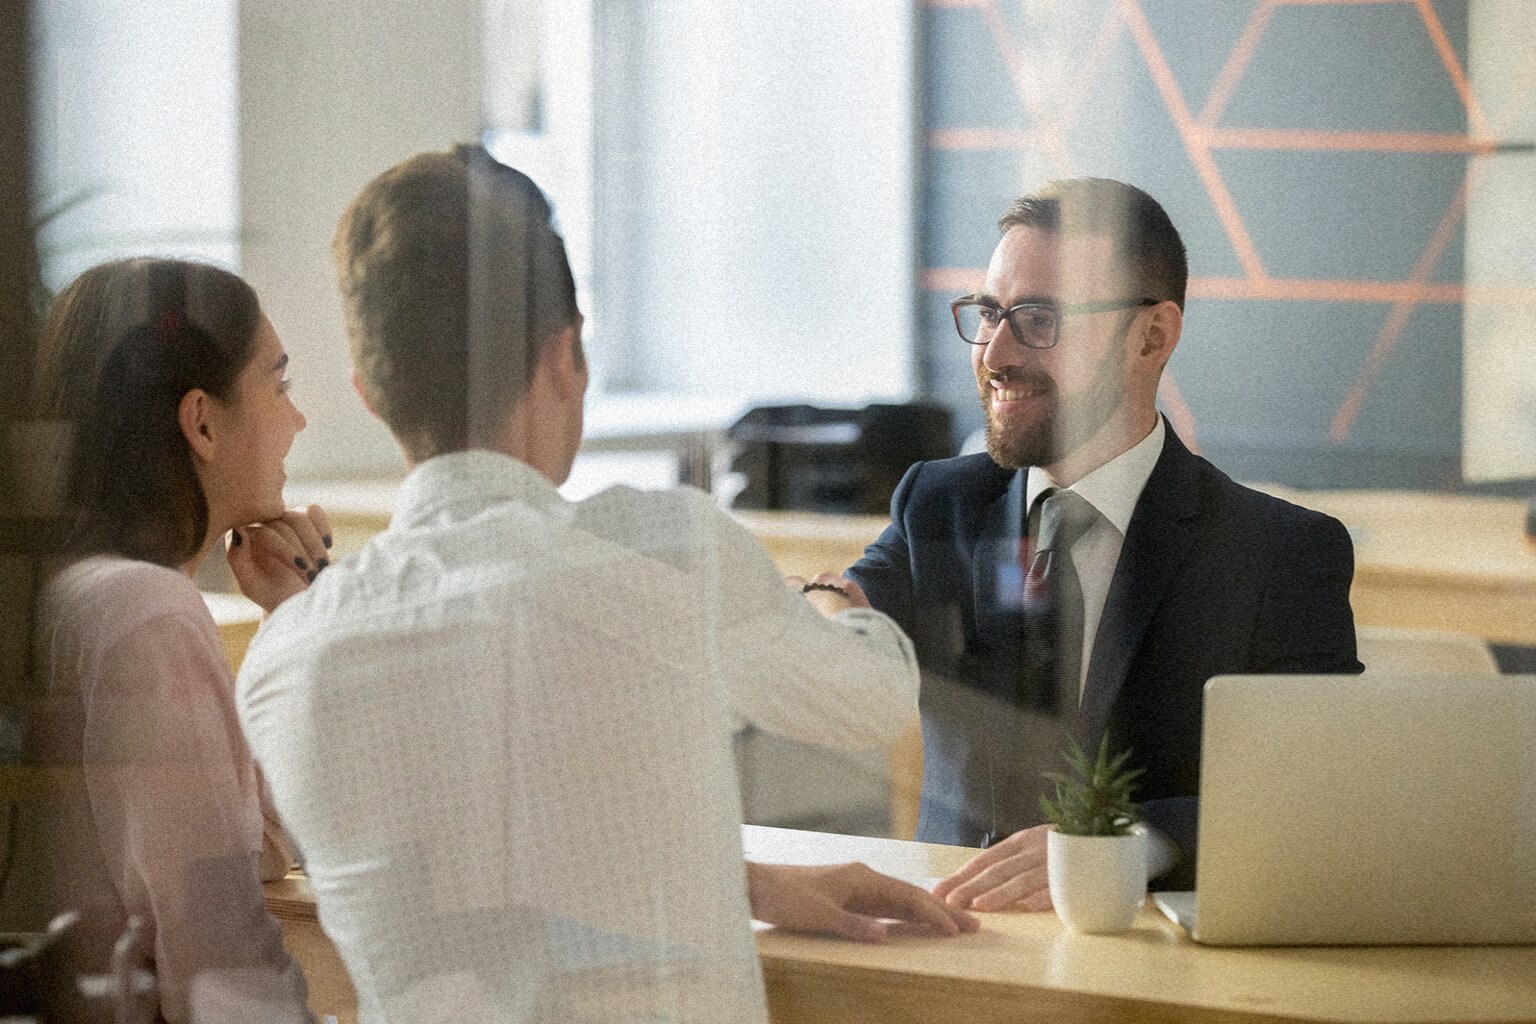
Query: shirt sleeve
[(277, 854), (849, 681), (180, 816)]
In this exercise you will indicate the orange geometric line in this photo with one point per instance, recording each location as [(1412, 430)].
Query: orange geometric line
[(983, 139), (1237, 63), (1397, 320), (1476, 125), (1098, 56), (1399, 142), (1054, 144), (1205, 167), (1179, 413)]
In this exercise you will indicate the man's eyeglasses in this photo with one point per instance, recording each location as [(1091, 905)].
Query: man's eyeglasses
[(1034, 324)]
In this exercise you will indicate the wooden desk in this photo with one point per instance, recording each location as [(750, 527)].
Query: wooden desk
[(1023, 967), (1027, 967)]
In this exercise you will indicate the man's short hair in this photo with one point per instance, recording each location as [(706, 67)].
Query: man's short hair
[(454, 281), (1149, 245)]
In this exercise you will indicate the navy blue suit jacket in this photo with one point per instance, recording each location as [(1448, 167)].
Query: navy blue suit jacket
[(1213, 578)]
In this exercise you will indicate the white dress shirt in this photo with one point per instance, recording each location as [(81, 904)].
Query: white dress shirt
[(1113, 489), (501, 735)]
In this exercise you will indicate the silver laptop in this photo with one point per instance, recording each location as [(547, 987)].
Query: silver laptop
[(1343, 810)]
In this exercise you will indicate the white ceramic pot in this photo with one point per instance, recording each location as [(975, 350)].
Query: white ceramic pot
[(1097, 882)]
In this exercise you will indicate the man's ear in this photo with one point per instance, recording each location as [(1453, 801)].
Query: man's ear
[(1161, 326), (357, 385), (195, 416), (566, 364)]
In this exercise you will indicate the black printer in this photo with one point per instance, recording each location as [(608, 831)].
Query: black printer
[(834, 460)]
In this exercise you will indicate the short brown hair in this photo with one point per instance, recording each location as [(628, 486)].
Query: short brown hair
[(453, 280), (120, 347), (1145, 237)]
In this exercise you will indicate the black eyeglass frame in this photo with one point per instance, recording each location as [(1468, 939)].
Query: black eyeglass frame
[(1069, 309)]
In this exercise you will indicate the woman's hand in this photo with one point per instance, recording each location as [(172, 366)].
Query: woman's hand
[(276, 559)]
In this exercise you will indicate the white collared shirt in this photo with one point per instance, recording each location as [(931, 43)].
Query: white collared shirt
[(501, 735), (1113, 489)]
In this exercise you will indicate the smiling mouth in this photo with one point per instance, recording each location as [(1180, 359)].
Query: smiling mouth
[(1009, 391)]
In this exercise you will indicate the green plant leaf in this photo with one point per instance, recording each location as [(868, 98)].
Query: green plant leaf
[(1093, 798), (63, 206)]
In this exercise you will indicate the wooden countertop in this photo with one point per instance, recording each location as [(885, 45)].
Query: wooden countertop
[(1427, 535), (1024, 966)]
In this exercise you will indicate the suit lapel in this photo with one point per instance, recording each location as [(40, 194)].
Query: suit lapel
[(1161, 533), (997, 541)]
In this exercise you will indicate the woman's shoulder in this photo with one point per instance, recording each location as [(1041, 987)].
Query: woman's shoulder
[(114, 593)]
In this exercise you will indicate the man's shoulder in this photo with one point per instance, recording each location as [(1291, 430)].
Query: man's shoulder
[(967, 475), (623, 501), (1249, 509)]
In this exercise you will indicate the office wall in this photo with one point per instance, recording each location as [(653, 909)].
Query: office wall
[(753, 199), (330, 95), (1312, 155)]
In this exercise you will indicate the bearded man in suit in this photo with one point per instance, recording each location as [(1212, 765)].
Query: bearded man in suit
[(1088, 574)]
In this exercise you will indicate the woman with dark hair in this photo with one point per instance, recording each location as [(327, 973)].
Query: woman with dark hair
[(172, 386)]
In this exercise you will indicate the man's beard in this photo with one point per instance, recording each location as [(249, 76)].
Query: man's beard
[(1067, 423), (1032, 445)]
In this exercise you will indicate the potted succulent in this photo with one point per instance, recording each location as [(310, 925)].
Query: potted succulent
[(1096, 861)]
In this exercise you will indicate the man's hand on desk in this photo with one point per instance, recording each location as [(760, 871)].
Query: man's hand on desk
[(846, 900), (1007, 873), (1012, 872)]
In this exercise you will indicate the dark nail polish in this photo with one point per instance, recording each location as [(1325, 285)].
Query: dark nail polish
[(300, 562), (326, 540), (322, 564), (311, 574), (237, 538)]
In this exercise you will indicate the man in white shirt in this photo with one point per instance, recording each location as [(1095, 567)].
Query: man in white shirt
[(1088, 574), (501, 734)]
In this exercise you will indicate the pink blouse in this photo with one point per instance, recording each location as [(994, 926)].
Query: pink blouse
[(168, 817)]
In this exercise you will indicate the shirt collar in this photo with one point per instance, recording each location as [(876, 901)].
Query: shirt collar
[(461, 483), (1115, 487)]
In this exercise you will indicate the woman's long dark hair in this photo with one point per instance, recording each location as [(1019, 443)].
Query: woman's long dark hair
[(121, 346)]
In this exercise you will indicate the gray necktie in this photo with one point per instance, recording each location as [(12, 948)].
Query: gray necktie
[(1053, 621)]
